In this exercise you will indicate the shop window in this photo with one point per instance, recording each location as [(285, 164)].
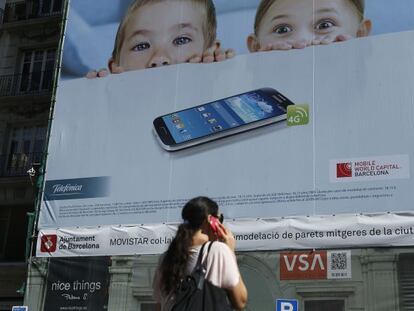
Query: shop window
[(13, 231), (406, 281), (4, 225), (147, 307), (324, 305)]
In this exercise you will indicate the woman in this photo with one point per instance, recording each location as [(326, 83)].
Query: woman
[(181, 256)]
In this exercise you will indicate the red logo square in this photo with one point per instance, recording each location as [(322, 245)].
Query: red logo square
[(48, 243), (344, 170), (303, 265)]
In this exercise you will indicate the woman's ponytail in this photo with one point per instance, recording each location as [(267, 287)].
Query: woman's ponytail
[(174, 263), (175, 259)]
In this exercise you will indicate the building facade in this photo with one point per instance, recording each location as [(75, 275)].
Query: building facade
[(29, 37), (381, 279)]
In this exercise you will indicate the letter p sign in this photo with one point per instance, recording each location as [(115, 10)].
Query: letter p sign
[(286, 305)]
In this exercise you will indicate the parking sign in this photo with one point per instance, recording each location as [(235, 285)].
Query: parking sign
[(287, 305)]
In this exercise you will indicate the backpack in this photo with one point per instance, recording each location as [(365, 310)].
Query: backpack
[(195, 293)]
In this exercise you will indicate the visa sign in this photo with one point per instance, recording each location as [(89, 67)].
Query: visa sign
[(303, 265)]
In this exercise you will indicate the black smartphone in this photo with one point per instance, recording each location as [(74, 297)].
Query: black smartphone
[(221, 118)]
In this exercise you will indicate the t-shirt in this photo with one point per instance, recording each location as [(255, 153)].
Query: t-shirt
[(222, 270)]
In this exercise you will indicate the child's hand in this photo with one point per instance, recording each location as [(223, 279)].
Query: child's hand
[(103, 72), (285, 45), (328, 39), (301, 44), (213, 54), (100, 73)]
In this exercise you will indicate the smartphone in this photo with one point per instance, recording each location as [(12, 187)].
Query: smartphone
[(218, 119), (214, 221)]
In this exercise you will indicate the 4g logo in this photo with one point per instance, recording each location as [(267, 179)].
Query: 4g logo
[(297, 115)]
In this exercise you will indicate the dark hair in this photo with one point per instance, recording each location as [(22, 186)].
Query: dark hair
[(173, 265)]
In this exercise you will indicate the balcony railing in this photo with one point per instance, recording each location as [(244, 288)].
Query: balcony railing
[(34, 83), (25, 10), (17, 164)]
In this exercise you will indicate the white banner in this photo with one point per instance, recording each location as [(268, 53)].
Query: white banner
[(345, 231), (278, 128), (120, 174)]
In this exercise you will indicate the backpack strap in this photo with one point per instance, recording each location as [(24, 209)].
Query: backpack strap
[(200, 263), (211, 244), (200, 256), (201, 267)]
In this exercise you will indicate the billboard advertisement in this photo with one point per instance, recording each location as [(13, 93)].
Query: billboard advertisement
[(296, 116), (77, 284)]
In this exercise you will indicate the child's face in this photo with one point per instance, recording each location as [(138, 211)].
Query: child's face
[(305, 21), (163, 33)]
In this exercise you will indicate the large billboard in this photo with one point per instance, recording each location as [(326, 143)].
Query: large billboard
[(296, 116)]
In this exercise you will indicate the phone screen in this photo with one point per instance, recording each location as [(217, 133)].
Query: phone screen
[(221, 115)]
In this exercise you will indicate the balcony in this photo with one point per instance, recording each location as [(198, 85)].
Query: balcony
[(31, 9), (17, 164), (34, 83)]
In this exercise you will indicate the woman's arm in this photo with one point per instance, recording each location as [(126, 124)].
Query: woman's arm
[(238, 295)]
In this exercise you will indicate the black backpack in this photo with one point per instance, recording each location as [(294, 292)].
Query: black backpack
[(195, 293)]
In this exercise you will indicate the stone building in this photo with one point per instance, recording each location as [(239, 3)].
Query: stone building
[(381, 279), (29, 37)]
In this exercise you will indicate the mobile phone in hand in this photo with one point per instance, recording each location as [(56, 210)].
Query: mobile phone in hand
[(214, 224)]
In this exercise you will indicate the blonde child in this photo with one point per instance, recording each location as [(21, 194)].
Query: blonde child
[(290, 24), (156, 33)]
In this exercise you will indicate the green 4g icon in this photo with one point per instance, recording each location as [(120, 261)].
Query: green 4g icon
[(297, 115)]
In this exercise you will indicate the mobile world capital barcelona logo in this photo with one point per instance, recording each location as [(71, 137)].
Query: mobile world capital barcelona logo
[(370, 168), (297, 115), (344, 170)]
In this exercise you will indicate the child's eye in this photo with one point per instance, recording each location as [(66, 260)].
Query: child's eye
[(324, 25), (141, 46), (182, 40), (282, 29)]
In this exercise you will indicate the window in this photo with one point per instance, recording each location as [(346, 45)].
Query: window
[(15, 11), (25, 148), (48, 7), (406, 281), (37, 70), (26, 9), (13, 232), (40, 8), (147, 306), (325, 305), (4, 227)]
